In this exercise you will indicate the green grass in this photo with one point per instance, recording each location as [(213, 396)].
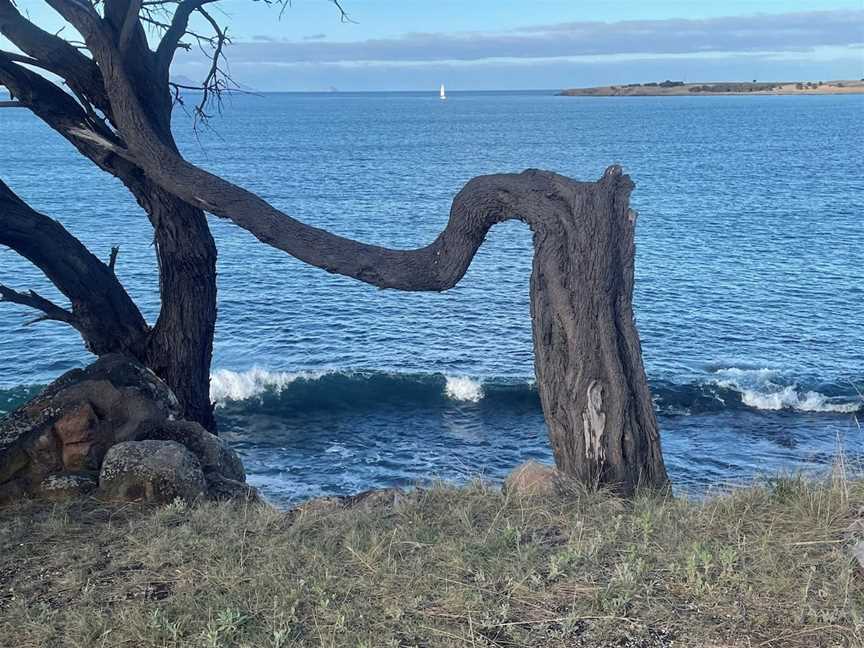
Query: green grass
[(770, 565)]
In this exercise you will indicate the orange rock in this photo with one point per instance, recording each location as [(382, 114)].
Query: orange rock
[(77, 425)]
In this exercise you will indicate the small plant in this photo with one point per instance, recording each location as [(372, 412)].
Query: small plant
[(223, 630)]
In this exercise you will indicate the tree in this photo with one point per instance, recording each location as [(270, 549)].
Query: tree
[(592, 384), (179, 346)]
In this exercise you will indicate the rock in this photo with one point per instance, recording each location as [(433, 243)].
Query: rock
[(222, 489), (76, 433), (153, 471), (69, 484), (213, 453), (532, 479), (384, 499), (68, 430), (72, 423)]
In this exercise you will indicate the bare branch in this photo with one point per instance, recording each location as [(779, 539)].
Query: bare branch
[(130, 24), (26, 60), (58, 109), (112, 260), (50, 310), (52, 53), (175, 32), (102, 311)]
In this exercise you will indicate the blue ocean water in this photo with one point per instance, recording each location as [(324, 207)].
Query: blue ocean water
[(748, 294)]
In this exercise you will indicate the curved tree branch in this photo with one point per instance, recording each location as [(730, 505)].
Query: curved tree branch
[(60, 111), (55, 55), (176, 30), (102, 311)]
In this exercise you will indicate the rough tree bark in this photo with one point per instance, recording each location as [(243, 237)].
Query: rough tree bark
[(180, 347), (588, 357)]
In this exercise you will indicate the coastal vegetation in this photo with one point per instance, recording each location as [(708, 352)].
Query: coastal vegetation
[(772, 565), (679, 88)]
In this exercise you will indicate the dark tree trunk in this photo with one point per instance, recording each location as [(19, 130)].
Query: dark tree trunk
[(180, 348), (587, 353)]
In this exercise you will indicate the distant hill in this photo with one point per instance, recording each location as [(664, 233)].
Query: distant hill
[(679, 88)]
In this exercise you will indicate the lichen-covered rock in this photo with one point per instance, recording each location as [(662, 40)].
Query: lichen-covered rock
[(68, 484), (213, 453), (53, 445), (532, 478), (71, 425), (152, 471), (222, 489)]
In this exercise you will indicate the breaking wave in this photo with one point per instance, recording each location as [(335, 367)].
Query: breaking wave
[(227, 385), (766, 389), (327, 390), (463, 389), (721, 389)]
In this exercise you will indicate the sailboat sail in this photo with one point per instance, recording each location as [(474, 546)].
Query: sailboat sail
[(442, 94)]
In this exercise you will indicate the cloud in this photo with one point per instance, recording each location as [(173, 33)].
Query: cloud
[(313, 37), (541, 73), (756, 33)]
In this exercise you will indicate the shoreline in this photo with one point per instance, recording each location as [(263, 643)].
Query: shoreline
[(680, 89)]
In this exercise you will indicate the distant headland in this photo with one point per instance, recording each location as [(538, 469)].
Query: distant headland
[(679, 88)]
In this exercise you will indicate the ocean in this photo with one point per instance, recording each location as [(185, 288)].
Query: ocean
[(749, 285)]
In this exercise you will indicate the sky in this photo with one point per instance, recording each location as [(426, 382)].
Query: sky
[(532, 44)]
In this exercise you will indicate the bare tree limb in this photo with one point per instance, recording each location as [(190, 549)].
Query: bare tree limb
[(112, 260), (175, 32), (102, 311), (55, 55), (34, 300), (58, 109)]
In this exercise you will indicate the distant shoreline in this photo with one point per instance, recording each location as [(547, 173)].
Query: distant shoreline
[(681, 89)]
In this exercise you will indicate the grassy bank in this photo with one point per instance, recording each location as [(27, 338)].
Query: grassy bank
[(766, 566)]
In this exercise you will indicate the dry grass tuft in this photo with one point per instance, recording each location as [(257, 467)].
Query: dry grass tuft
[(769, 566)]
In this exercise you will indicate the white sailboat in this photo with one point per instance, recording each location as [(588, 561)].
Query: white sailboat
[(442, 94)]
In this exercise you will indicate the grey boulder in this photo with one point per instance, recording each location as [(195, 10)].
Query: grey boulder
[(151, 471)]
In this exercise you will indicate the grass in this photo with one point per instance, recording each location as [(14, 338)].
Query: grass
[(767, 566)]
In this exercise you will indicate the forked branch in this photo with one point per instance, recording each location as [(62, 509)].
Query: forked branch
[(102, 311), (32, 299)]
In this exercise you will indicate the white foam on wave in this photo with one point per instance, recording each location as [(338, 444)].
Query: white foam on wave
[(227, 385), (462, 388), (790, 398), (759, 390)]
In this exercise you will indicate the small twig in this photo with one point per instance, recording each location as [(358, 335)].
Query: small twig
[(112, 260)]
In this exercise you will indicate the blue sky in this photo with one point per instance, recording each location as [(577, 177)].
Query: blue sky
[(489, 44)]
